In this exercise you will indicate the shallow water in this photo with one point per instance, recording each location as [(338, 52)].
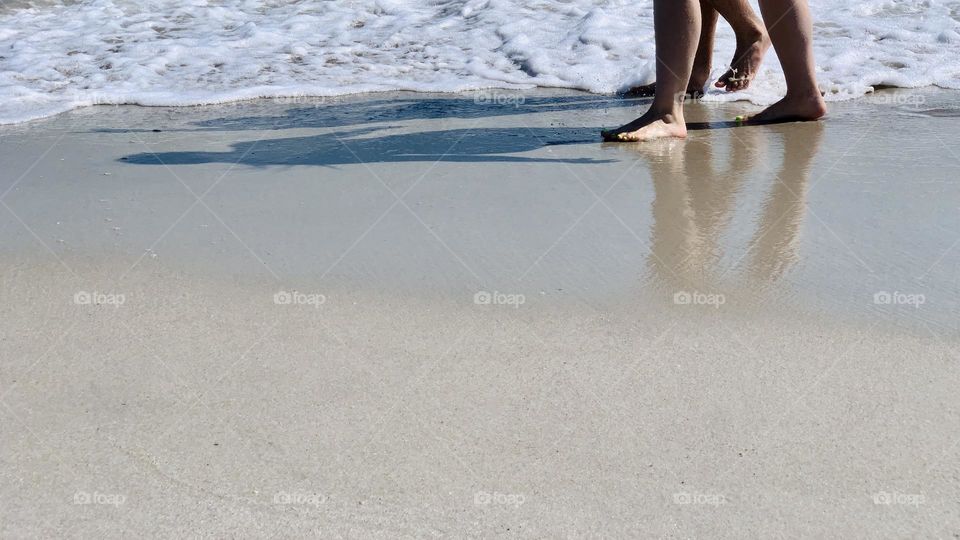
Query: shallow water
[(817, 217)]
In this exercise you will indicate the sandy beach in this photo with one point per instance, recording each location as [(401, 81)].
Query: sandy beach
[(461, 315)]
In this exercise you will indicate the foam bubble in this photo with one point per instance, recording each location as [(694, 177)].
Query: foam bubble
[(58, 56)]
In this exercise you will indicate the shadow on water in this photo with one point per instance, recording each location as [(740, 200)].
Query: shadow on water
[(356, 146), (348, 111), (361, 145)]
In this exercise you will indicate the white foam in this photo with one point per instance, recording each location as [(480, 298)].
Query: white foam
[(189, 52)]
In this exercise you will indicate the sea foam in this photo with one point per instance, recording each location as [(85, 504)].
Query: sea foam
[(58, 56)]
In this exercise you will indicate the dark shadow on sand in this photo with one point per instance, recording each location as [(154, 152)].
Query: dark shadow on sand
[(361, 119), (344, 112), (358, 146)]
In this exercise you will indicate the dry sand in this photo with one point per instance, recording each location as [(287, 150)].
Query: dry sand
[(442, 316)]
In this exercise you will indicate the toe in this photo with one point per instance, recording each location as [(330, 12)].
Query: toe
[(726, 80)]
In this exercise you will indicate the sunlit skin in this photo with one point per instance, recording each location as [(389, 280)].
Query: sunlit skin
[(752, 45), (678, 24), (752, 42)]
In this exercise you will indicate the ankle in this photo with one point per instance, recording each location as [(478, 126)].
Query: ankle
[(664, 107), (751, 33), (701, 71), (672, 117), (809, 95), (810, 101)]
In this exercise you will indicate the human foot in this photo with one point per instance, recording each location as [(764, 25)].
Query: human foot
[(648, 127), (792, 109), (751, 47)]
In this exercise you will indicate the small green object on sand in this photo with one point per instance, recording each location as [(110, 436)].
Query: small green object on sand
[(740, 119)]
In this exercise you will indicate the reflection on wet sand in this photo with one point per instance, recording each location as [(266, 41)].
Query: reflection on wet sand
[(776, 241), (695, 200)]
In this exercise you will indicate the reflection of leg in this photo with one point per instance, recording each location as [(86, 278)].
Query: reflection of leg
[(677, 25), (752, 43), (776, 241), (702, 178), (714, 193), (674, 243), (791, 30)]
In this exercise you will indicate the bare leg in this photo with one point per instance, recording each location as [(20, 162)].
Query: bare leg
[(677, 24), (703, 61), (752, 43), (791, 30)]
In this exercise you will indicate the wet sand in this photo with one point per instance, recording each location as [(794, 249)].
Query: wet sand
[(461, 315)]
